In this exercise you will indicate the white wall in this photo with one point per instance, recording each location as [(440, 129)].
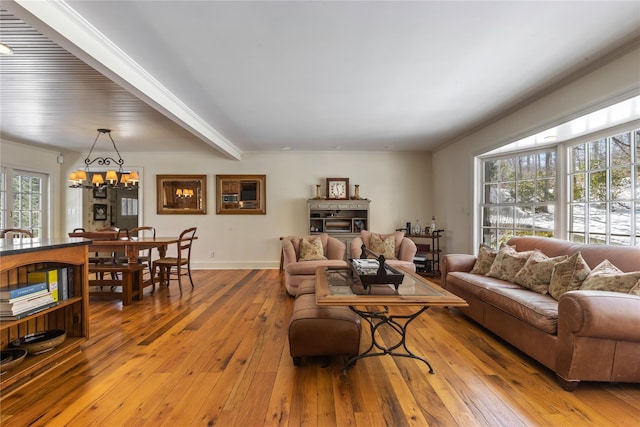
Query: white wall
[(453, 165), (398, 184)]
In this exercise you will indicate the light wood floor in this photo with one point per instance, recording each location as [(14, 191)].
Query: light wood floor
[(219, 356)]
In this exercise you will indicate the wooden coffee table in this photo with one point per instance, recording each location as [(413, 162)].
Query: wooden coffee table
[(337, 286)]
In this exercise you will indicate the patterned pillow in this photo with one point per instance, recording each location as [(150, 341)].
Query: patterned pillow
[(608, 277), (536, 273), (508, 262), (383, 246), (486, 256), (568, 275), (636, 289), (311, 250)]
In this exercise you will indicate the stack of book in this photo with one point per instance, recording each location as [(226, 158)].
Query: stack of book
[(21, 300)]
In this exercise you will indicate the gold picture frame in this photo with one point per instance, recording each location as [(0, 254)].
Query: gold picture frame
[(181, 194), (241, 194)]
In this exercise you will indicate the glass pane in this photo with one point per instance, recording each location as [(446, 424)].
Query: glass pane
[(546, 190), (503, 236), (526, 167), (598, 154), (547, 164), (490, 193), (620, 218), (597, 218), (578, 188), (576, 218), (597, 239), (505, 218), (638, 178), (507, 169), (525, 192), (524, 217), (491, 171), (490, 217), (544, 218), (620, 183), (489, 237), (621, 149), (598, 186), (578, 159), (507, 192), (577, 237)]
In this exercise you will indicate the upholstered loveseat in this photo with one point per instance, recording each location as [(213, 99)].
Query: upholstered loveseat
[(302, 254), (581, 334), (398, 250)]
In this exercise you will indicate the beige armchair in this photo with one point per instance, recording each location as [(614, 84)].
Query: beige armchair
[(403, 248), (302, 254)]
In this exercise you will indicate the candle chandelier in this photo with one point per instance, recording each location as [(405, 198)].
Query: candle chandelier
[(112, 178)]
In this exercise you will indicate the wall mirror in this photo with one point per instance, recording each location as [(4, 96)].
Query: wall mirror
[(241, 194), (181, 194)]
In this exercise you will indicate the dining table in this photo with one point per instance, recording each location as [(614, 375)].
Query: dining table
[(105, 241)]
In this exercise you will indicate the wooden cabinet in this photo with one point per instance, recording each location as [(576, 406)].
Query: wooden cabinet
[(342, 219), (18, 259), (427, 258)]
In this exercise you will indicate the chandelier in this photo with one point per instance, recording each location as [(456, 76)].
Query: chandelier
[(112, 178)]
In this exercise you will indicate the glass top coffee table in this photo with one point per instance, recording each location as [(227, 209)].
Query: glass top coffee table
[(340, 286)]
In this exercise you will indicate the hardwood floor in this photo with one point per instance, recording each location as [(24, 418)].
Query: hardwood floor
[(219, 356)]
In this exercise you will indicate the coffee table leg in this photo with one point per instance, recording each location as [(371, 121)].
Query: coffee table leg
[(377, 319)]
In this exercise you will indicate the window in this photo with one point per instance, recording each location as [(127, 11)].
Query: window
[(604, 190), (518, 196), (22, 200)]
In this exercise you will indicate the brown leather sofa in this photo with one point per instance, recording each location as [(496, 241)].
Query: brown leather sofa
[(586, 335)]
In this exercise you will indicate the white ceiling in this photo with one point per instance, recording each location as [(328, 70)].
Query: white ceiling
[(269, 75)]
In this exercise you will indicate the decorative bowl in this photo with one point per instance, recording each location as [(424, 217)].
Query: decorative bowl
[(39, 342), (11, 357)]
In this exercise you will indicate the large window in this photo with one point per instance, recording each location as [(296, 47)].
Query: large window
[(22, 200), (518, 196), (604, 190)]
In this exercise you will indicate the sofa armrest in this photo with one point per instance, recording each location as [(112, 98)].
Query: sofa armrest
[(356, 247), (335, 248), (455, 262), (600, 314), (407, 250), (288, 253)]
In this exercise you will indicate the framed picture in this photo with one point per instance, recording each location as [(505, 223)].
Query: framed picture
[(100, 192), (337, 188), (181, 194), (241, 194), (99, 212)]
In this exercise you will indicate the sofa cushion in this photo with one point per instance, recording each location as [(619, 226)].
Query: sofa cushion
[(365, 235), (508, 262), (536, 273), (475, 284), (486, 256), (568, 275), (539, 311), (295, 242), (383, 246), (311, 250), (309, 267), (607, 277)]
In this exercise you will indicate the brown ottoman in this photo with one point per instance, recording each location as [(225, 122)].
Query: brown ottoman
[(322, 330)]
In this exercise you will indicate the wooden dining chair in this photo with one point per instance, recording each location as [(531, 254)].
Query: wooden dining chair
[(15, 232), (180, 264)]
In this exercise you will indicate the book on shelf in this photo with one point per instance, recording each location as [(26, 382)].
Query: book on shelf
[(49, 276), (64, 273), (17, 307), (27, 313), (21, 290)]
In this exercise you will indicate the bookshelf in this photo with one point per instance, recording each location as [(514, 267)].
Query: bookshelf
[(17, 259)]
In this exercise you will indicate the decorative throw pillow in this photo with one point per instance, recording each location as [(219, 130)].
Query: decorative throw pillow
[(485, 259), (311, 250), (508, 262), (536, 273), (607, 277), (636, 289), (383, 246), (568, 275)]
